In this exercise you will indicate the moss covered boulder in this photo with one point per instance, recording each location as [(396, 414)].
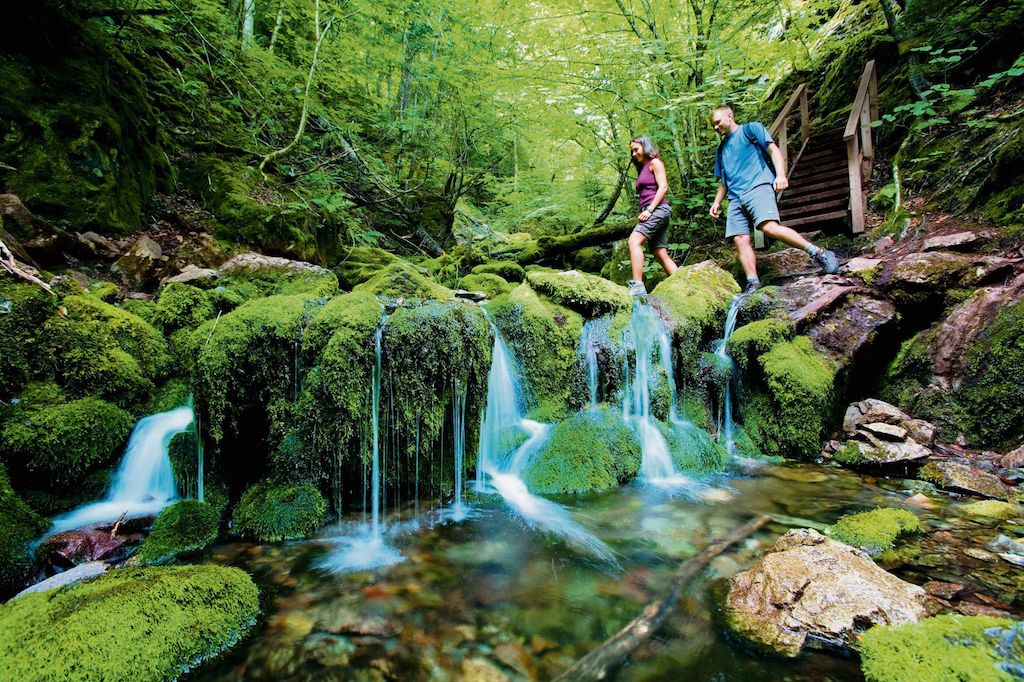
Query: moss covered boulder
[(269, 512), (693, 449), (182, 528), (362, 263), (129, 624), (876, 530), (491, 285), (592, 450), (24, 308), (544, 339), (589, 295), (19, 525), (753, 340), (401, 280), (947, 647), (54, 446), (507, 270)]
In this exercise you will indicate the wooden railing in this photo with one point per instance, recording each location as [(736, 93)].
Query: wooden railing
[(779, 130), (860, 150)]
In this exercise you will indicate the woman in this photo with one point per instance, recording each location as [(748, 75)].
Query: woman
[(655, 212)]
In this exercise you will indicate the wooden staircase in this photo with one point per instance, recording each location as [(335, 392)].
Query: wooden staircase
[(827, 174)]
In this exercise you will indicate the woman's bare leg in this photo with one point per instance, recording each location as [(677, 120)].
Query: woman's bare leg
[(666, 261), (636, 255)]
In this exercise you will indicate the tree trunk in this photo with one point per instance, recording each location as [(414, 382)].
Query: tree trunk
[(277, 28), (918, 83), (248, 22)]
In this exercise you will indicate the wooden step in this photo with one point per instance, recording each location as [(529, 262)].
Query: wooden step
[(818, 174), (802, 189), (837, 154), (786, 200), (814, 209), (812, 219)]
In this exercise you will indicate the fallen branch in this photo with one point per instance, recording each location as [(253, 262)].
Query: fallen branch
[(10, 265), (603, 660), (548, 247), (117, 524)]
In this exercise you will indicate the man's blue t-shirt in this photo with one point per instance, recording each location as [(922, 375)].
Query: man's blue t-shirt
[(741, 165)]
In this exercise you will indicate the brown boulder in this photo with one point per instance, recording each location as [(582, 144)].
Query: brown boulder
[(1014, 459), (810, 590), (964, 478), (964, 241), (74, 547), (142, 264)]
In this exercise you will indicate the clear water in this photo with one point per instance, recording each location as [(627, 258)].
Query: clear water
[(494, 589), (727, 419), (144, 482)]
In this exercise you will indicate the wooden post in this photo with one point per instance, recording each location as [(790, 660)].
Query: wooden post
[(868, 149), (783, 143), (805, 117), (853, 161)]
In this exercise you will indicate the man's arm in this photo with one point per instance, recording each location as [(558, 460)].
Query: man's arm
[(719, 195), (781, 181)]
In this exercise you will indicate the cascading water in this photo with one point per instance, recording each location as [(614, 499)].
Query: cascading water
[(588, 349), (504, 454), (368, 550), (459, 445), (144, 483), (722, 353), (649, 334)]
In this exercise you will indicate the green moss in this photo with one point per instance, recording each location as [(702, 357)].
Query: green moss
[(56, 445), (182, 528), (269, 512), (751, 341), (798, 380), (875, 530), (507, 270), (24, 308), (130, 624), (173, 393), (132, 334), (693, 449), (990, 397), (492, 285), (589, 295), (19, 525), (182, 306), (359, 310), (948, 647), (993, 509), (143, 309), (402, 280), (108, 292), (591, 450), (543, 338), (849, 455), (361, 264)]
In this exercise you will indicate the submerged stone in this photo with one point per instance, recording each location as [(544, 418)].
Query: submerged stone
[(963, 477), (809, 590)]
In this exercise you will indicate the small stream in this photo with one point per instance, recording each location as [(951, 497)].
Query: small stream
[(490, 591)]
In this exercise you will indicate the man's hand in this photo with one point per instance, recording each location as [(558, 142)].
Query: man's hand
[(645, 215), (781, 182), (714, 210)]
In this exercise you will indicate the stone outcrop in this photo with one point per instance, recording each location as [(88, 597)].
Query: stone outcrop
[(812, 591), (251, 262), (964, 478), (142, 264), (880, 433)]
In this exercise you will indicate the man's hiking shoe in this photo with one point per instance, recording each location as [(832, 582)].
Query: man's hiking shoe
[(751, 287), (827, 261), (636, 288)]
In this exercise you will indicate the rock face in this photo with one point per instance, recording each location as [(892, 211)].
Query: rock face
[(75, 547), (809, 590), (881, 433), (965, 241)]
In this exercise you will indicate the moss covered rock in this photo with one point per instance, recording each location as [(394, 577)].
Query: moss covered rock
[(876, 530), (55, 446), (592, 450), (693, 449), (544, 339), (403, 280), (129, 624), (947, 647), (269, 512), (492, 285), (790, 419), (589, 295), (753, 340), (993, 509), (362, 263), (507, 270), (24, 308), (19, 525), (182, 305), (182, 528)]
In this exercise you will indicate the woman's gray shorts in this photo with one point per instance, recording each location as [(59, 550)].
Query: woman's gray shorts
[(756, 206), (655, 228)]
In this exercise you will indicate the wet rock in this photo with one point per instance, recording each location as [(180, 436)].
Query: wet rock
[(921, 500), (192, 274), (943, 590), (99, 245), (810, 590), (964, 241), (480, 670), (962, 477), (849, 331), (469, 295), (860, 265), (142, 264), (1014, 459), (68, 577), (873, 410), (969, 608), (993, 509), (933, 269), (1009, 549), (516, 657), (251, 262), (784, 262), (75, 547)]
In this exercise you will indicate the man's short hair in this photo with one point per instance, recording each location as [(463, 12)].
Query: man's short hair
[(720, 109)]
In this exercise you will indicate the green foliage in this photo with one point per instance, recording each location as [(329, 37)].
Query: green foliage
[(56, 445), (543, 338), (24, 308), (790, 418), (492, 285), (876, 530), (269, 512), (589, 295), (181, 306), (19, 525), (132, 623), (131, 334), (591, 450), (947, 647), (173, 393), (507, 270), (182, 528)]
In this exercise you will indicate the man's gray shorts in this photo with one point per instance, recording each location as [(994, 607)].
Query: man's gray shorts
[(655, 228), (752, 209)]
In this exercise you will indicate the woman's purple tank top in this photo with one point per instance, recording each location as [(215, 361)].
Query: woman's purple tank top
[(647, 186)]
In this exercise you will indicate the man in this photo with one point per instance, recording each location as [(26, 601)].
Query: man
[(744, 173)]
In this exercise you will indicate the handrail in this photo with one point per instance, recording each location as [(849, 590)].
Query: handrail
[(779, 129), (860, 151), (801, 90)]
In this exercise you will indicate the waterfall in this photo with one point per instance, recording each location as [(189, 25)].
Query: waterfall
[(459, 444), (375, 429), (722, 353), (649, 335), (144, 483), (588, 349), (504, 454)]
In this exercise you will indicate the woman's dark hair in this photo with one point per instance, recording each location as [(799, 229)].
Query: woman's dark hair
[(650, 151)]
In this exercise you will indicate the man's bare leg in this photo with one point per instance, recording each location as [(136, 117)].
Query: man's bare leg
[(666, 261), (786, 235), (746, 252)]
